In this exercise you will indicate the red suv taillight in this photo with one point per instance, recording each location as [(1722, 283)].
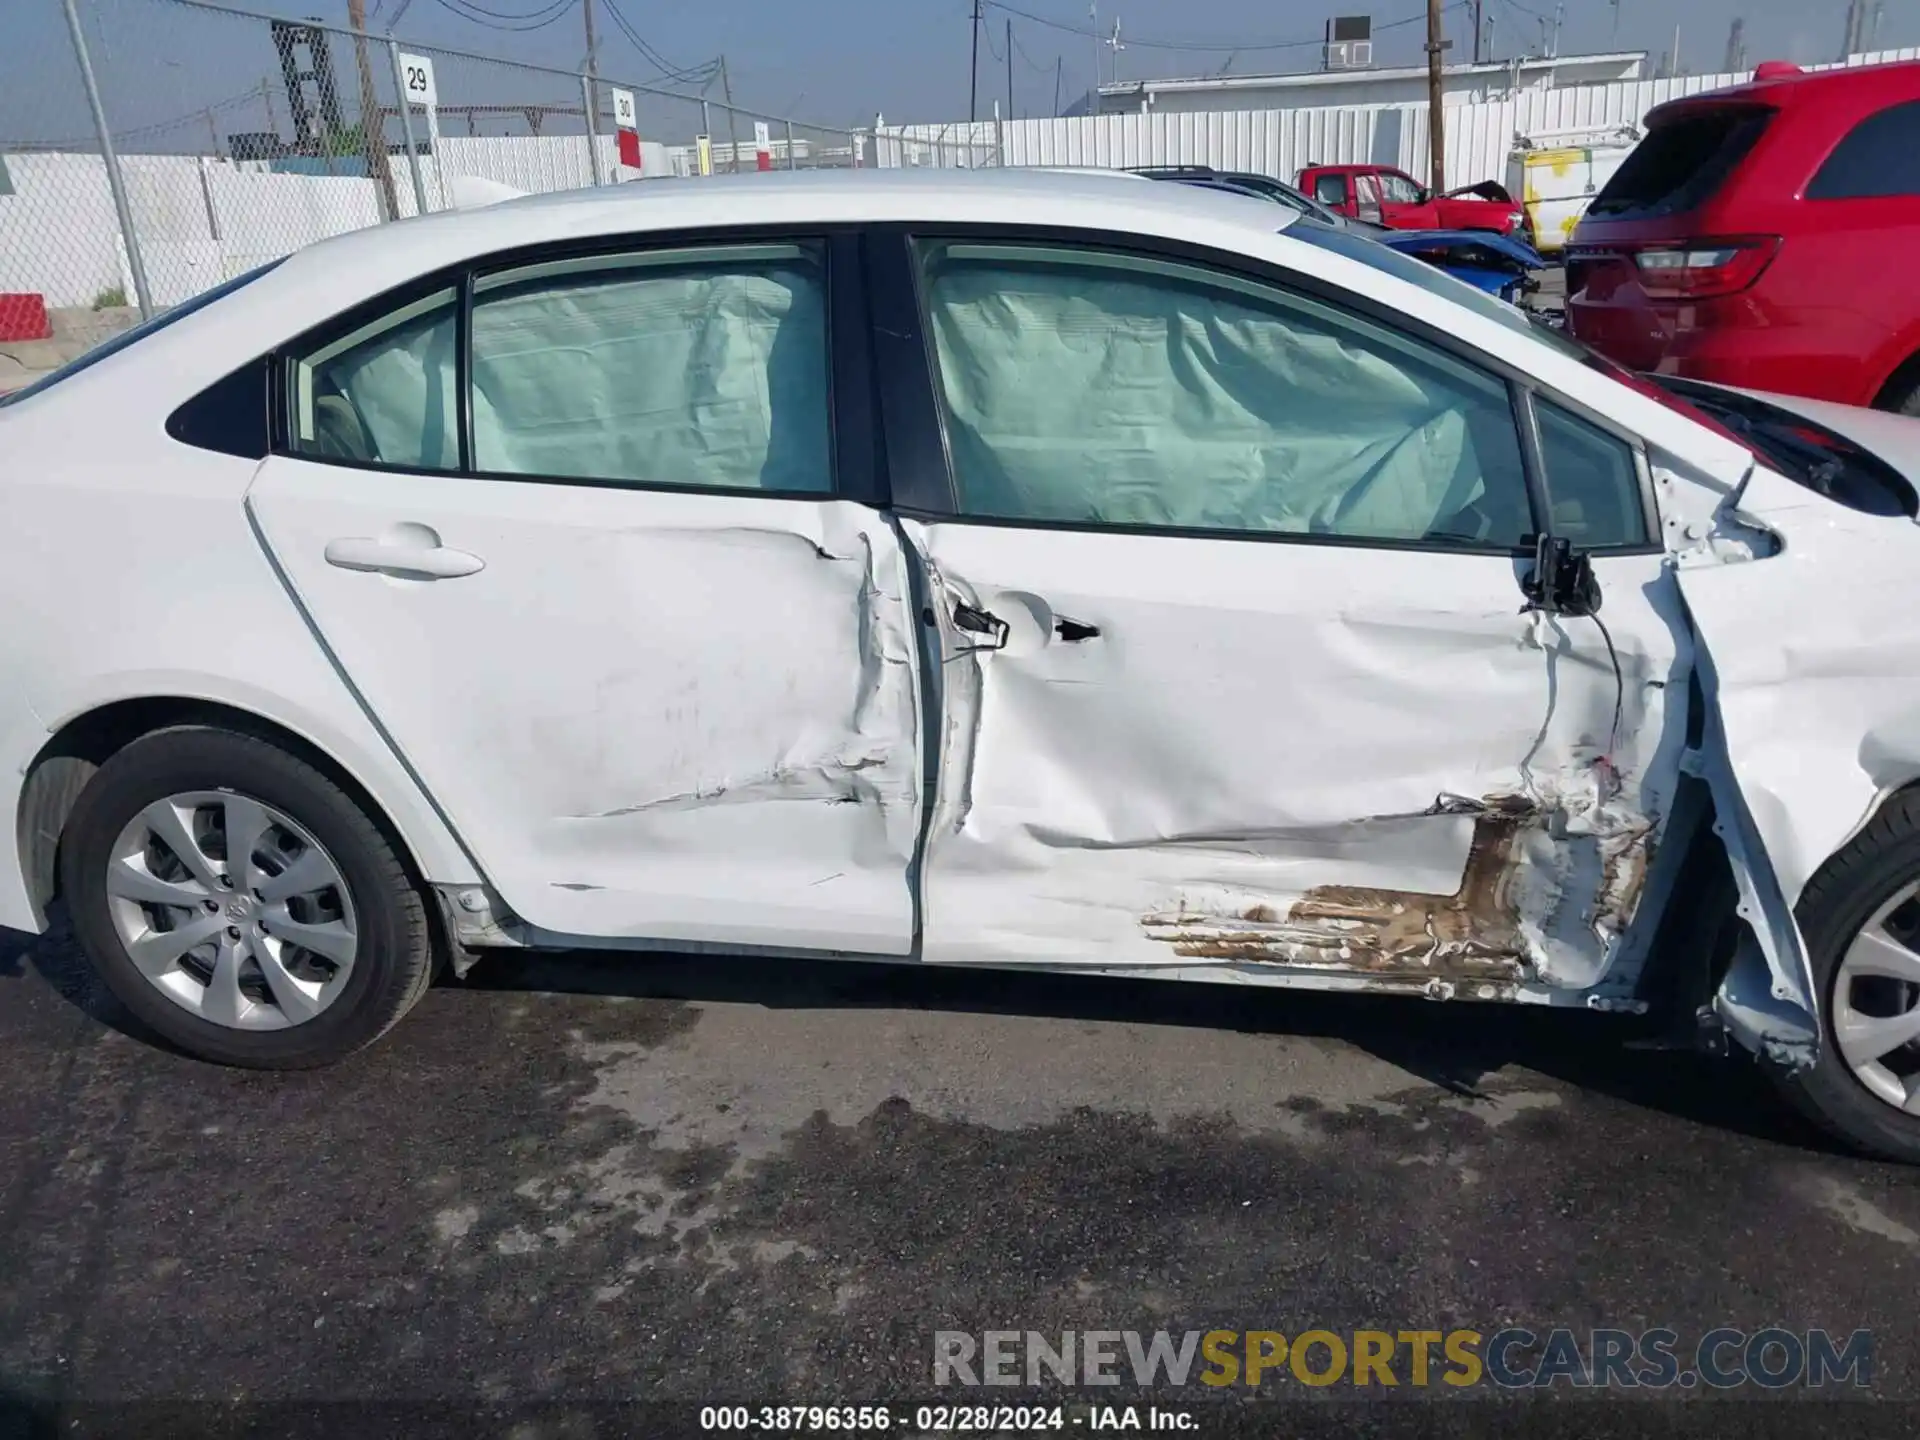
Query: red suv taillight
[(1704, 269)]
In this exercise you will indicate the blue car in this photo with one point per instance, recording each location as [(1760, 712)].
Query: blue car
[(1497, 264)]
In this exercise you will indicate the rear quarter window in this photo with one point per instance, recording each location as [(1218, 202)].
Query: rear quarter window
[(1681, 164), (1878, 157)]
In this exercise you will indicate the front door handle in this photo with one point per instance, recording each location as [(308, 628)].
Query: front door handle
[(408, 556), (984, 623)]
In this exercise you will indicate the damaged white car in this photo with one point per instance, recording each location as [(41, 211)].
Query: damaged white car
[(1003, 570)]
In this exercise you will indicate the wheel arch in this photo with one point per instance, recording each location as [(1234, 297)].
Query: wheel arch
[(1902, 378), (85, 741)]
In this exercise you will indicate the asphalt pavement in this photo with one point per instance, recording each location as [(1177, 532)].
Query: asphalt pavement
[(586, 1179)]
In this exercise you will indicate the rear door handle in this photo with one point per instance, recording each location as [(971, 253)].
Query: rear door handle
[(409, 557)]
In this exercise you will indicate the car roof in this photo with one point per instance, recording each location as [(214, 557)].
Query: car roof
[(142, 384), (1069, 198), (1868, 84)]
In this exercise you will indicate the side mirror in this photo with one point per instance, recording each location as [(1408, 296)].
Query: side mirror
[(1562, 581)]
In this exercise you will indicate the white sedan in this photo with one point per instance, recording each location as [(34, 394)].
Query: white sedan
[(1042, 570)]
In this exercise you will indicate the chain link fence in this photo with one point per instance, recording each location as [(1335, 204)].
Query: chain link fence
[(150, 149)]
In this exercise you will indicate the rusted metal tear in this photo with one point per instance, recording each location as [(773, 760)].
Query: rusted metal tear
[(1472, 935), (1623, 875)]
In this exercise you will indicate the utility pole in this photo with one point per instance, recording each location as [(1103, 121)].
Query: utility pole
[(1093, 29), (733, 133), (973, 69), (1851, 34), (593, 60), (1010, 114), (1059, 69), (1476, 30), (1436, 113), (373, 123), (1559, 15), (1736, 47)]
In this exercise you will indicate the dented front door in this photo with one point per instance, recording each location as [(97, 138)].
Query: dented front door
[(1279, 758), (1236, 673)]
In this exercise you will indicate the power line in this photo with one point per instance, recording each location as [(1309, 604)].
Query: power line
[(492, 21), (540, 12), (1200, 45), (990, 50), (530, 66), (1021, 51), (687, 74), (537, 13), (250, 96)]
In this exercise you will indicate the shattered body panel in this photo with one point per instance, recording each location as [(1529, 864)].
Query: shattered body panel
[(1300, 761), (1813, 721)]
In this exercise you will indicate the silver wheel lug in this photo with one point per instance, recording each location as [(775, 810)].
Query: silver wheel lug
[(233, 932), (210, 905)]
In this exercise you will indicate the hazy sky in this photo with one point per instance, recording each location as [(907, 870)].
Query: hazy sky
[(909, 58), (832, 61)]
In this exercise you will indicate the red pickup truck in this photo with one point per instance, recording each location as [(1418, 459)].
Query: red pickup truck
[(1393, 198)]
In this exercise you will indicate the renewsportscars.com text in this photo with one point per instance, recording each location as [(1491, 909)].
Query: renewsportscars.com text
[(1511, 1358)]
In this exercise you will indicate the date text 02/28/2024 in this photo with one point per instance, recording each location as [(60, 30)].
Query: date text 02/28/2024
[(941, 1419)]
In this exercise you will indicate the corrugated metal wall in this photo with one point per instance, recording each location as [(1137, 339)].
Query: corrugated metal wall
[(1480, 137)]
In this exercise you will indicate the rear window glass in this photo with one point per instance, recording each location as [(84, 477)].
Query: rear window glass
[(1880, 156), (1330, 189), (1681, 164), (139, 332)]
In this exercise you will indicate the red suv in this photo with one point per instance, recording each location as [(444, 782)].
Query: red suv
[(1763, 236)]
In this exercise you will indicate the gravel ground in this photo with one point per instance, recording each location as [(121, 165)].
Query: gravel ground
[(579, 1179)]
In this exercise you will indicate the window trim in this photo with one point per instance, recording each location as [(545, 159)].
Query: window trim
[(913, 411), (852, 470), (300, 369)]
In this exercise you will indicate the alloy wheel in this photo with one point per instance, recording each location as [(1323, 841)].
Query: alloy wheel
[(232, 910), (1876, 1002)]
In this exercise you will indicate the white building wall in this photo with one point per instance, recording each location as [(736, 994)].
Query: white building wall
[(1481, 137), (1361, 88)]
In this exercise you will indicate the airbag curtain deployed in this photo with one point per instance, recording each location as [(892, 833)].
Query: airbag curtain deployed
[(1279, 421)]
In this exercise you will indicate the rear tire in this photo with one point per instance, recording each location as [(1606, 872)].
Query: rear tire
[(250, 992), (1860, 916), (1902, 395)]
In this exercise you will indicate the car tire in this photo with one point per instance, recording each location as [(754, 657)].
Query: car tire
[(1869, 875), (366, 913), (1902, 397)]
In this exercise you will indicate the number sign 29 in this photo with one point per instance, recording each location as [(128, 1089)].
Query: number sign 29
[(416, 76)]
